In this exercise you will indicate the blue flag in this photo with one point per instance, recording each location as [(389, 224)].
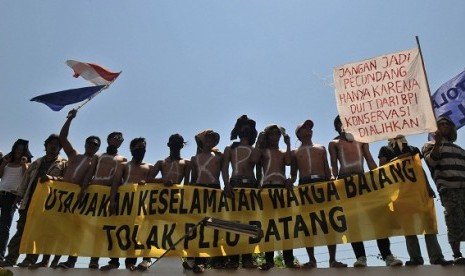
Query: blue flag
[(57, 100), (449, 100)]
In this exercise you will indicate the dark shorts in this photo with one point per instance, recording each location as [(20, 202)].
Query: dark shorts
[(453, 201)]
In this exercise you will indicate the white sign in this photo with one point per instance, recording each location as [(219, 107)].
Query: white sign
[(382, 97)]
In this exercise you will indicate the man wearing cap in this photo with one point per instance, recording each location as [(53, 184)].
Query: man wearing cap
[(446, 161), (76, 169), (243, 158), (351, 156), (398, 147), (311, 162), (274, 162), (206, 169)]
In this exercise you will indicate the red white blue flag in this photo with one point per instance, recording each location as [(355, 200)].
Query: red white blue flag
[(96, 74), (92, 72)]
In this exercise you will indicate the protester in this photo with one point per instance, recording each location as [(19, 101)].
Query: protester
[(49, 167), (351, 156), (206, 169), (243, 158), (174, 170), (274, 162), (102, 173), (446, 161), (12, 169), (134, 171), (77, 167), (398, 147), (311, 162)]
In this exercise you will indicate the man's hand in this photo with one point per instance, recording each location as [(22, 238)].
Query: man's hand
[(80, 195), (168, 183), (228, 191), (437, 136), (288, 184), (46, 178), (287, 140), (72, 114), (112, 208)]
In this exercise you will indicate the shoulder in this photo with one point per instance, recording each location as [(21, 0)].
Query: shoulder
[(319, 146)]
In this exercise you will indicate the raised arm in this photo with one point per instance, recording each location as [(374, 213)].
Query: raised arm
[(288, 155), (67, 147)]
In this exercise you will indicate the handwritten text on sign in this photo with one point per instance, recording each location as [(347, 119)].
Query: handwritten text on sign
[(382, 97)]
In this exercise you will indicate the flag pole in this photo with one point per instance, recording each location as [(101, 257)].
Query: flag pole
[(426, 78), (93, 96), (424, 72)]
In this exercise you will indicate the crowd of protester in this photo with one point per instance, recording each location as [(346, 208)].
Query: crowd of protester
[(253, 160)]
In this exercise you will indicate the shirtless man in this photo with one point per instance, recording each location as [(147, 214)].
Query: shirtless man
[(134, 171), (174, 169), (78, 165), (274, 162), (102, 173), (243, 157), (351, 155), (311, 161), (206, 169)]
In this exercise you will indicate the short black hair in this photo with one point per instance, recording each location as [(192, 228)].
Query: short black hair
[(176, 141), (135, 141), (52, 137), (337, 121), (92, 137), (114, 133)]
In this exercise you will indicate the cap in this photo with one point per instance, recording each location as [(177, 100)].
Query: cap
[(307, 123)]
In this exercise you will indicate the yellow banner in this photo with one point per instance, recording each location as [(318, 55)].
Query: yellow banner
[(389, 201)]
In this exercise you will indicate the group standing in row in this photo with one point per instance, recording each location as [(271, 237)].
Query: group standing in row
[(259, 166)]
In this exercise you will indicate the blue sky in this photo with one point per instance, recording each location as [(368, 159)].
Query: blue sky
[(192, 65)]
